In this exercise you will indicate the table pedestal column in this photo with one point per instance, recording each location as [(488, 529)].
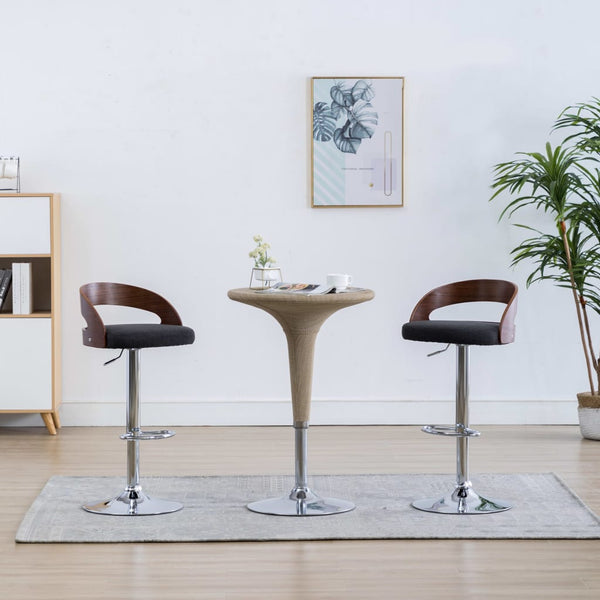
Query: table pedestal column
[(301, 501)]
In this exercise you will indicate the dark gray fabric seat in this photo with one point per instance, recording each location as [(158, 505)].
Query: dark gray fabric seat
[(148, 335), (476, 333)]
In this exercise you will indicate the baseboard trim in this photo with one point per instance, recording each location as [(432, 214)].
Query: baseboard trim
[(230, 412)]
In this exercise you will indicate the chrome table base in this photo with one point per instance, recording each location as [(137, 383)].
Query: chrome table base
[(133, 503), (301, 501)]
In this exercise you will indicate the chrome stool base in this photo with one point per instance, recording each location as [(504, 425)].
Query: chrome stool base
[(462, 501), (302, 502), (139, 435), (133, 503)]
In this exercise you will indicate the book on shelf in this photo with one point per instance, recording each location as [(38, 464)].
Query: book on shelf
[(5, 281), (26, 292), (16, 288), (21, 289)]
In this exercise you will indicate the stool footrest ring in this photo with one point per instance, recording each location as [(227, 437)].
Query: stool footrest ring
[(450, 430), (132, 436)]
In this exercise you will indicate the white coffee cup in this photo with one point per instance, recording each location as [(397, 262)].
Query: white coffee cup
[(340, 281)]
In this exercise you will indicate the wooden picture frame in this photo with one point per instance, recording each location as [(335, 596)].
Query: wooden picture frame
[(357, 145)]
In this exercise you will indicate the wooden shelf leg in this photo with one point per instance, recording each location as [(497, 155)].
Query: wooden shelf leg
[(56, 419), (49, 422)]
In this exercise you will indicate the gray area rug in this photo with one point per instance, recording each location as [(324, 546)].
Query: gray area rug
[(544, 508)]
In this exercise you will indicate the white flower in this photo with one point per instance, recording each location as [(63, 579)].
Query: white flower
[(260, 254)]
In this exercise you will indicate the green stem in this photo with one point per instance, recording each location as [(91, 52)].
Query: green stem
[(589, 339), (563, 232)]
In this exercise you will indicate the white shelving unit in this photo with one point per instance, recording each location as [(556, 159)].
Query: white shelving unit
[(30, 344)]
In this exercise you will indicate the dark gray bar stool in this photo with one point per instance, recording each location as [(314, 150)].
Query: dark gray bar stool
[(132, 337), (420, 328)]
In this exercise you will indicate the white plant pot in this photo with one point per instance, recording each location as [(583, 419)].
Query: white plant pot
[(589, 423), (263, 278), (589, 415), (267, 274)]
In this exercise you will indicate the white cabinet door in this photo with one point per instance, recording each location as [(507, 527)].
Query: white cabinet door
[(25, 364), (25, 225)]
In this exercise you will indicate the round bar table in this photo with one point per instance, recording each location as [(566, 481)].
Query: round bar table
[(301, 317)]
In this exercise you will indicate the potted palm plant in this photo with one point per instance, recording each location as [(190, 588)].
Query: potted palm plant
[(564, 183)]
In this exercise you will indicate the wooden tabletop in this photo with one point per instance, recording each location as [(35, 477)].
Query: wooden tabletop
[(262, 298)]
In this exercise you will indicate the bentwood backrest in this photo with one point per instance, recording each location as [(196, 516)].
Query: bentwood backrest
[(119, 294), (473, 290)]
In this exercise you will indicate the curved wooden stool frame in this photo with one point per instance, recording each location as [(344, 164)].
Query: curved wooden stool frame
[(133, 501), (463, 499)]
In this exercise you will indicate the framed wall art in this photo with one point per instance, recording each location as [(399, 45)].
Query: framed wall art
[(357, 141)]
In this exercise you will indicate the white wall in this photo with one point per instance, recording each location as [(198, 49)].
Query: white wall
[(177, 130)]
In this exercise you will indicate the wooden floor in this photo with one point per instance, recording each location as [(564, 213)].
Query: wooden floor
[(296, 570)]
